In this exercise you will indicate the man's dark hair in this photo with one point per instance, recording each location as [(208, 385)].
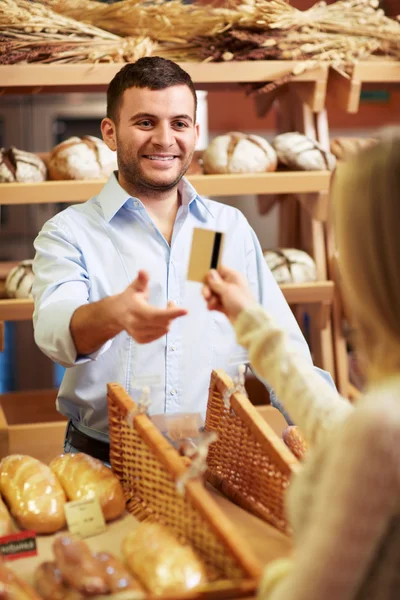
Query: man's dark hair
[(152, 72)]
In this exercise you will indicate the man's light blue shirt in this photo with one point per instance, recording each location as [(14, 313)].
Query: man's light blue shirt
[(94, 250)]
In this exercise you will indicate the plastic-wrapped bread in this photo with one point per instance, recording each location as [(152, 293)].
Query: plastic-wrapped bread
[(33, 493), (51, 586), (84, 477), (116, 574), (78, 567), (5, 519), (14, 588), (162, 564)]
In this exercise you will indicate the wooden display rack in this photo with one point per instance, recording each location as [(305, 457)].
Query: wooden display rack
[(346, 89), (309, 89)]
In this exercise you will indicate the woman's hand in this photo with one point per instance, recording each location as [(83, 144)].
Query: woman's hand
[(227, 291)]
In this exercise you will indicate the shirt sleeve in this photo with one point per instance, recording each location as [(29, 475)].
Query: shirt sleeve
[(354, 501), (269, 295), (314, 405), (61, 285)]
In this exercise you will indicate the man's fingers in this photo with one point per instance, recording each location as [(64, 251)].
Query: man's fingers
[(215, 282), (140, 284), (207, 293)]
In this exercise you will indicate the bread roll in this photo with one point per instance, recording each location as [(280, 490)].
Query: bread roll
[(14, 588), (289, 265), (237, 152), (84, 477), (20, 280), (19, 166), (5, 520), (81, 158), (51, 586), (300, 153), (116, 574), (33, 493), (78, 567), (161, 563), (345, 148), (294, 439)]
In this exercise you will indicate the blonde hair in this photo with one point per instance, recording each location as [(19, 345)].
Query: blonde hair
[(366, 200)]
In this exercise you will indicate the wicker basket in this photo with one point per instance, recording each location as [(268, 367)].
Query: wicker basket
[(248, 463), (148, 467)]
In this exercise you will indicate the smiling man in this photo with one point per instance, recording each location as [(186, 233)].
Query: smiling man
[(111, 299)]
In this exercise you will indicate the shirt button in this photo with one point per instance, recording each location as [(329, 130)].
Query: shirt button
[(173, 392), (172, 348), (136, 203)]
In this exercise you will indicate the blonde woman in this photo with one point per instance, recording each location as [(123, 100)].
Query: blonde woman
[(344, 506)]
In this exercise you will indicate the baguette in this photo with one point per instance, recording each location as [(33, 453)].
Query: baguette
[(5, 519), (84, 477), (160, 562), (78, 567), (14, 588), (33, 493), (50, 584)]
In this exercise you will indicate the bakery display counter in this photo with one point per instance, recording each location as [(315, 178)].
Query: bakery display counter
[(35, 78), (266, 542), (346, 89), (281, 182)]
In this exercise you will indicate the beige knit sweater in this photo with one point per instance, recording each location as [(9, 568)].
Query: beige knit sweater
[(344, 505)]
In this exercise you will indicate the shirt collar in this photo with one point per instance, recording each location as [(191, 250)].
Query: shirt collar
[(113, 197)]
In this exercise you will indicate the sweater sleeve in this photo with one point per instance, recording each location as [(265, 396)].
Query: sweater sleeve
[(312, 403), (354, 501)]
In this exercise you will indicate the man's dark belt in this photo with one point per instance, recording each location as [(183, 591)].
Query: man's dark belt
[(88, 445)]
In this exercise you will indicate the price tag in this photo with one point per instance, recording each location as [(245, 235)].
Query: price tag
[(18, 545), (84, 517)]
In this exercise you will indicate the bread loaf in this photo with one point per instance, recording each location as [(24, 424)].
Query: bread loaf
[(294, 439), (83, 477), (19, 166), (345, 148), (5, 520), (289, 265), (14, 588), (116, 575), (237, 152), (51, 586), (33, 493), (78, 567), (161, 563), (300, 153), (81, 158), (19, 280)]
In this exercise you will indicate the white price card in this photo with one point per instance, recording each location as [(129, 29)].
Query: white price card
[(84, 517)]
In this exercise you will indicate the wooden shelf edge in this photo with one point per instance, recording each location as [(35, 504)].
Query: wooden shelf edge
[(316, 292), (36, 76), (380, 71), (280, 182), (302, 293)]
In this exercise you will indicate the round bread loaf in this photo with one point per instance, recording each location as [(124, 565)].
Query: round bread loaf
[(20, 280), (289, 265), (20, 166), (300, 153), (81, 158), (345, 148), (237, 152)]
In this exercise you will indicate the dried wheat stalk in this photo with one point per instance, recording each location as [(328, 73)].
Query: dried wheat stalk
[(31, 32)]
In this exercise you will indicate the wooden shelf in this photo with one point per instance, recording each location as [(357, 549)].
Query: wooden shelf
[(346, 89), (34, 78), (319, 292), (207, 185)]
